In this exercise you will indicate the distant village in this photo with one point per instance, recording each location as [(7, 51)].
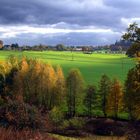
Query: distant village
[(118, 47)]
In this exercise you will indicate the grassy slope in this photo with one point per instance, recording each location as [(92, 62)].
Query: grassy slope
[(91, 66)]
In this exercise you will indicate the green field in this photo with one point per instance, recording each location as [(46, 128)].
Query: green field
[(92, 66)]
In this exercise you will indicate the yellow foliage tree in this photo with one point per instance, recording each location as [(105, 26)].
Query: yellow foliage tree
[(50, 83), (60, 86), (24, 65), (34, 82)]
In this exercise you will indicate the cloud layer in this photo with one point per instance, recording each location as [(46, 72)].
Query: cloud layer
[(90, 22)]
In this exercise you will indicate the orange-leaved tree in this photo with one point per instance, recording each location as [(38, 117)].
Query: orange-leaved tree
[(115, 99)]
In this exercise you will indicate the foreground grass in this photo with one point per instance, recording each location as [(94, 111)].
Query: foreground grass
[(91, 66), (26, 134), (90, 138)]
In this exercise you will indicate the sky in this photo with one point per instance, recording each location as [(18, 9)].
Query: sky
[(70, 22)]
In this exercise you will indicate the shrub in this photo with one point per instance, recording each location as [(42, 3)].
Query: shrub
[(20, 115), (74, 123), (56, 116)]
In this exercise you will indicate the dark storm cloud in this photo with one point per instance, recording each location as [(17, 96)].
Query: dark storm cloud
[(68, 14), (15, 11), (84, 12), (50, 12), (33, 11)]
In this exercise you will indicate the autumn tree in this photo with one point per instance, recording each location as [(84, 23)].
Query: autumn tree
[(36, 82), (90, 99), (74, 84), (42, 81), (9, 82), (8, 70), (13, 61), (132, 92), (51, 81), (114, 99), (60, 87), (104, 89)]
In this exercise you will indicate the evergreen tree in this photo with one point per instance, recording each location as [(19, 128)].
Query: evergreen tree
[(132, 92), (104, 89), (90, 99), (74, 84)]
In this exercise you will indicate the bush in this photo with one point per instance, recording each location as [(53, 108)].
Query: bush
[(20, 115), (56, 116), (74, 123)]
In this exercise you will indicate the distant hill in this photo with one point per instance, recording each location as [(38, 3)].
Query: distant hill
[(123, 43), (120, 45)]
